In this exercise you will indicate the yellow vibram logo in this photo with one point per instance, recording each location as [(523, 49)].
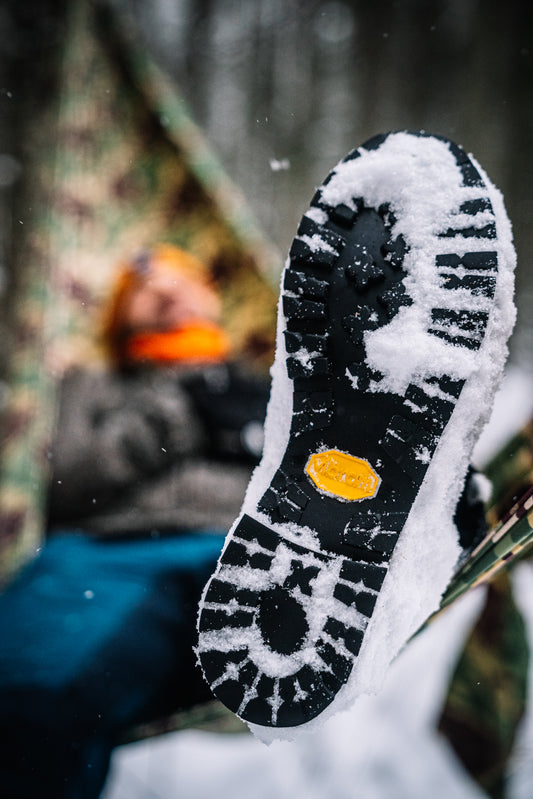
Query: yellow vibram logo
[(343, 475)]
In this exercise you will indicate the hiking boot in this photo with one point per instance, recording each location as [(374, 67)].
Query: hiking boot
[(395, 308)]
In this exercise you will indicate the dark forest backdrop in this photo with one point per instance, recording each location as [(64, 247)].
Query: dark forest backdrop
[(284, 88)]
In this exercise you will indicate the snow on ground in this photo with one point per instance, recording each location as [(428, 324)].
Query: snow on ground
[(513, 407), (385, 747)]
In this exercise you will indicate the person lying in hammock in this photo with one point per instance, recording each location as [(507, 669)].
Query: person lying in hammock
[(165, 439), (150, 464)]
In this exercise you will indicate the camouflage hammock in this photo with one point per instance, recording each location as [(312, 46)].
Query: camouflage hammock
[(117, 164)]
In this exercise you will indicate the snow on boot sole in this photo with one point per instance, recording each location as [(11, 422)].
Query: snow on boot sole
[(395, 308)]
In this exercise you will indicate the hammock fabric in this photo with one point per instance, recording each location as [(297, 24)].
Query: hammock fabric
[(116, 165)]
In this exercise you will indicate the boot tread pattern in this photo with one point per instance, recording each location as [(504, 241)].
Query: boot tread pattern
[(345, 277)]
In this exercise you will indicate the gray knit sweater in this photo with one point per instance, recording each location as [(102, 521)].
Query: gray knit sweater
[(131, 456)]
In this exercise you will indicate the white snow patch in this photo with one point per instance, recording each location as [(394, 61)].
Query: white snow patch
[(279, 164), (317, 215), (317, 244), (384, 746), (513, 408)]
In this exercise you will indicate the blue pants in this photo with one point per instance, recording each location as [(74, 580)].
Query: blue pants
[(95, 636)]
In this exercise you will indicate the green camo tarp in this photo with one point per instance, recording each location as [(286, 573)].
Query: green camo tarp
[(116, 164)]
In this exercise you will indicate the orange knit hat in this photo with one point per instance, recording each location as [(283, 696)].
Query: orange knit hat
[(130, 276)]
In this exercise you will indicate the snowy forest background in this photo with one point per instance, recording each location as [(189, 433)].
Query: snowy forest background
[(284, 88)]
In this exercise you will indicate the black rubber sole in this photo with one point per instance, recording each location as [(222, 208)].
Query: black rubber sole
[(355, 460)]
